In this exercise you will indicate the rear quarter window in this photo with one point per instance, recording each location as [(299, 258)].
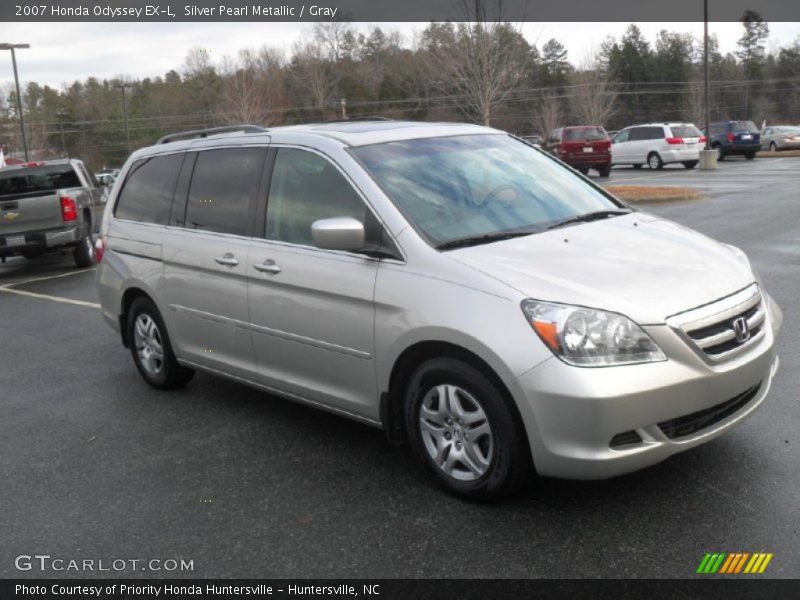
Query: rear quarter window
[(146, 195)]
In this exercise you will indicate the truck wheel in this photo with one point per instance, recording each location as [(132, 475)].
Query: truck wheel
[(151, 348), (465, 430), (750, 156), (720, 152), (84, 253), (604, 170)]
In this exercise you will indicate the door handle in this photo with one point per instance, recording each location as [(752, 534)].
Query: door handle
[(268, 266), (227, 259)]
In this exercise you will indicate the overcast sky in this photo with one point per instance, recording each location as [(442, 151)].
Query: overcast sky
[(63, 52)]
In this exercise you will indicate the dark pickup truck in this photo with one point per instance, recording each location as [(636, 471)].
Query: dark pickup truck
[(50, 205)]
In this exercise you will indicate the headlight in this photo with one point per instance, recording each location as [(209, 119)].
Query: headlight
[(587, 337)]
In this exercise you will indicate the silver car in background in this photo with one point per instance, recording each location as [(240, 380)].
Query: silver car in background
[(448, 283), (780, 137)]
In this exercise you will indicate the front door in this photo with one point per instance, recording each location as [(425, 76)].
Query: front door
[(311, 310)]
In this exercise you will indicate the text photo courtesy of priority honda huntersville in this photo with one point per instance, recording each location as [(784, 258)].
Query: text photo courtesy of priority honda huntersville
[(452, 284)]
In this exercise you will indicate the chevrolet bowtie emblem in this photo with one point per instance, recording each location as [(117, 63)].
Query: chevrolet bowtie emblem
[(10, 216)]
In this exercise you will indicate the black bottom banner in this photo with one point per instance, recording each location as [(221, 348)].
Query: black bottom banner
[(390, 589)]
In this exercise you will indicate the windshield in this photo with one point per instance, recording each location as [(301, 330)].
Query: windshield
[(453, 188), (580, 134)]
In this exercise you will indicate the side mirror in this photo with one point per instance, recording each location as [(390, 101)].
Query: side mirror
[(339, 233)]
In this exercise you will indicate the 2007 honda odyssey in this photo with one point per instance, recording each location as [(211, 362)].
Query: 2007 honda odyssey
[(448, 283)]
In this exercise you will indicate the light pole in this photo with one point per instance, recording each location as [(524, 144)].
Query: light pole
[(706, 101), (123, 87), (12, 47), (708, 157)]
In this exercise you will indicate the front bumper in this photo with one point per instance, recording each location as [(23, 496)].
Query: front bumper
[(572, 413)]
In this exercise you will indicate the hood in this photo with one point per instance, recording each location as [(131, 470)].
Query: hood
[(639, 265)]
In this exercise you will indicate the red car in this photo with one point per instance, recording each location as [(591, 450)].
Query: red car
[(583, 148)]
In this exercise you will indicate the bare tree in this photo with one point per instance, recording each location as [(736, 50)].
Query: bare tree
[(694, 101), (549, 115), (314, 72), (479, 64), (252, 87), (592, 95)]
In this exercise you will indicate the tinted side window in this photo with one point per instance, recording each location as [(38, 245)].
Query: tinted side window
[(638, 133), (654, 133), (147, 193), (305, 188), (223, 190)]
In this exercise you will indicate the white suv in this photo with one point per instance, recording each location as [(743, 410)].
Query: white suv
[(657, 144)]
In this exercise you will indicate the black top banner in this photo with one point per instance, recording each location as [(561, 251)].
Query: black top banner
[(395, 10)]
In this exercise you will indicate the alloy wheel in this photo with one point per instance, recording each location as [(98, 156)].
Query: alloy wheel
[(149, 347)]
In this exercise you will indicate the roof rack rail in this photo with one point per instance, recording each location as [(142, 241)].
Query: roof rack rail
[(203, 133), (349, 120)]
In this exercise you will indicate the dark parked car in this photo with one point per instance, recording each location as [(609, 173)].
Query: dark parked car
[(536, 140), (584, 147), (735, 137)]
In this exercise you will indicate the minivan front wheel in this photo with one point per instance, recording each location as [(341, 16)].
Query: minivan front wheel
[(463, 429), (654, 161), (151, 348)]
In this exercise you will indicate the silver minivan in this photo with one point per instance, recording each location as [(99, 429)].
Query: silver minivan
[(451, 284)]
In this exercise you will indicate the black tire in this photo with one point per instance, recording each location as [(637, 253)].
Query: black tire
[(510, 465), (654, 161), (690, 164), (750, 156), (33, 253), (583, 170), (171, 375), (604, 171), (637, 166), (773, 147), (720, 152), (84, 252)]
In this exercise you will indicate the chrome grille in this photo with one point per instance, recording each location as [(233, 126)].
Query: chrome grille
[(725, 328)]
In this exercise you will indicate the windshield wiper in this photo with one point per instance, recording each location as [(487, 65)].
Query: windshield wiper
[(592, 216), (475, 240)]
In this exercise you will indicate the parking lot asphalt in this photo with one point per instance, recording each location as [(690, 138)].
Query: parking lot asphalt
[(95, 464)]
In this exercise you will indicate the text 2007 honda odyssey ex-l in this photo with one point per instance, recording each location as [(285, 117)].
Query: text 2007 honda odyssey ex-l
[(448, 283)]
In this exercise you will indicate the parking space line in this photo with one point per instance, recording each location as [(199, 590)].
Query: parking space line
[(9, 290), (36, 279)]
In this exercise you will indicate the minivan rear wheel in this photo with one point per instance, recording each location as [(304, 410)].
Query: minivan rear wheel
[(463, 428), (654, 161), (151, 348)]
